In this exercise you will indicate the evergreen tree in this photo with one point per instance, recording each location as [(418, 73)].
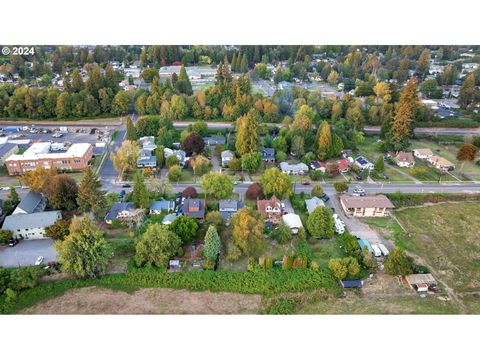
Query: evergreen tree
[(183, 84), (379, 164), (234, 62), (90, 196), (467, 91), (140, 194), (247, 134), (244, 64), (211, 248), (131, 131)]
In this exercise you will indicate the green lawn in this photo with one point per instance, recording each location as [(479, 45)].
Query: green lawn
[(370, 147), (423, 172)]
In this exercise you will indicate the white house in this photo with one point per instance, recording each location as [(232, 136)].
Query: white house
[(293, 221), (293, 169), (180, 154), (404, 159), (423, 154), (31, 226), (363, 163), (227, 156)]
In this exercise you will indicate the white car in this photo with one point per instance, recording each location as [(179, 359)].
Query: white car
[(39, 260), (358, 191)]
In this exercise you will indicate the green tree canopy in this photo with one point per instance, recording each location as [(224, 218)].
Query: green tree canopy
[(156, 246)]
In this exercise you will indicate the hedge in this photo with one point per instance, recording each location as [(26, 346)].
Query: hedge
[(402, 199), (269, 282)]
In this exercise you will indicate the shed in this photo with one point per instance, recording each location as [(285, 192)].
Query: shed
[(352, 284), (418, 281), (293, 221)]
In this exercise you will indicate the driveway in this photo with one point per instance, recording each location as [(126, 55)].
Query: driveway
[(26, 252)]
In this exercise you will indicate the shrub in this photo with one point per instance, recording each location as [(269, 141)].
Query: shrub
[(5, 236), (317, 190), (281, 307), (189, 192), (341, 186)]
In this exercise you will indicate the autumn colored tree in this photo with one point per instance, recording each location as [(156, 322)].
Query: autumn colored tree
[(408, 104), (247, 134), (62, 192), (200, 165), (193, 143), (383, 92), (467, 152), (324, 141), (254, 192), (304, 118), (125, 157), (467, 91), (189, 192), (332, 78), (423, 63), (36, 179), (247, 231), (275, 182), (174, 173)]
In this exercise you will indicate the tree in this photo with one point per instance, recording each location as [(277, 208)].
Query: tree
[(200, 165), (125, 157), (467, 152), (131, 133), (5, 236), (431, 90), (244, 64), (174, 173), (183, 84), (58, 231), (215, 218), (217, 185), (341, 186), (200, 127), (282, 233), (140, 194), (324, 141), (320, 223), (90, 196), (84, 253), (156, 246), (369, 260), (160, 155), (13, 195), (332, 78), (172, 160), (467, 91), (379, 164), (398, 263), (178, 107), (423, 63), (36, 179), (62, 192), (193, 143), (247, 134), (350, 244), (254, 192), (189, 192), (404, 115), (211, 248), (383, 92), (121, 103), (251, 161), (185, 227), (275, 182), (317, 190), (247, 231), (345, 267)]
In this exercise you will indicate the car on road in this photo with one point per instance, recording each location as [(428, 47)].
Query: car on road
[(126, 186), (306, 183), (39, 260), (235, 183), (57, 135), (358, 191), (13, 242)]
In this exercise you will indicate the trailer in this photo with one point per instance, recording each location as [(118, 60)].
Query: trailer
[(383, 249), (364, 244), (376, 250)]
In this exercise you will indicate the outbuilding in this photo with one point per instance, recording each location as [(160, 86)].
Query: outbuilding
[(293, 221)]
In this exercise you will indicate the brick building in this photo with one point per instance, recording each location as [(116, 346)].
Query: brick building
[(40, 155)]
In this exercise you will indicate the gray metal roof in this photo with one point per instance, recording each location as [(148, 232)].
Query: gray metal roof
[(117, 207), (32, 202), (7, 148), (35, 220)]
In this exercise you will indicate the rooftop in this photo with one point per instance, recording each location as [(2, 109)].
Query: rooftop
[(32, 202), (41, 150), (34, 220)]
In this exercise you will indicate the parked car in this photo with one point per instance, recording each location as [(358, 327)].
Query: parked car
[(39, 260), (306, 183), (358, 191), (13, 242), (325, 197), (126, 186)]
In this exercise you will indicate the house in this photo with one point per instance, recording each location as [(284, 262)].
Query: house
[(162, 205), (214, 140), (352, 284), (343, 165), (363, 163), (293, 221), (120, 210), (169, 218), (271, 208), (6, 150), (33, 202), (31, 226), (229, 207), (194, 208), (423, 153), (227, 156), (146, 159), (148, 143), (404, 159), (180, 154), (318, 165), (365, 206), (268, 155), (39, 154), (441, 163), (313, 203), (293, 169)]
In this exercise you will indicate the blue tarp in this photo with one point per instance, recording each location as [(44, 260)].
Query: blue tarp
[(365, 244)]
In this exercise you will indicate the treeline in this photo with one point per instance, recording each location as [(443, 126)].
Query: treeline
[(98, 95)]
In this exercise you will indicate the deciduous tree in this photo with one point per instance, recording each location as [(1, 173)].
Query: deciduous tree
[(185, 227), (125, 157), (140, 194), (247, 231), (156, 246), (320, 223), (275, 182), (217, 185)]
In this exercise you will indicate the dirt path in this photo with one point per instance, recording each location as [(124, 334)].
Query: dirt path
[(96, 300)]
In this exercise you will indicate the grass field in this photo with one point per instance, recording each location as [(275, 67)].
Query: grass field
[(445, 235)]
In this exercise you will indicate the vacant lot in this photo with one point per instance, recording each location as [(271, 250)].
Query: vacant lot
[(95, 300), (445, 236)]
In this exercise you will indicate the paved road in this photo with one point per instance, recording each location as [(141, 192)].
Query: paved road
[(433, 131), (26, 253)]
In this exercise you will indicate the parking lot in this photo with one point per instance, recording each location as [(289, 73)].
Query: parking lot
[(73, 135), (26, 252)]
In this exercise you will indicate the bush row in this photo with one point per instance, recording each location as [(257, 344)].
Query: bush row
[(402, 200)]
